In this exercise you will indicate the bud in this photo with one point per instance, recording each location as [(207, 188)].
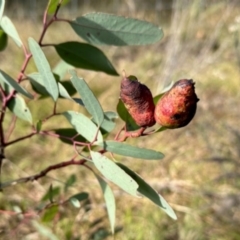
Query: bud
[(177, 107), (138, 100)]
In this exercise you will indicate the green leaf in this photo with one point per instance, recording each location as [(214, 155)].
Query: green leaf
[(70, 181), (126, 117), (61, 68), (146, 190), (167, 88), (86, 56), (2, 5), (44, 68), (66, 133), (18, 106), (83, 125), (51, 193), (108, 123), (77, 198), (68, 87), (3, 40), (11, 82), (103, 28), (110, 201), (75, 202), (37, 84), (39, 126), (63, 92), (44, 231), (81, 196), (53, 5), (114, 173), (49, 214), (10, 30), (161, 129), (131, 151), (90, 101)]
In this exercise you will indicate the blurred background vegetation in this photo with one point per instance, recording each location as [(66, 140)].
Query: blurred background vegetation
[(200, 175)]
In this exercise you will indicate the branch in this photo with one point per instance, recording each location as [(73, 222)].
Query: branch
[(20, 139), (44, 172)]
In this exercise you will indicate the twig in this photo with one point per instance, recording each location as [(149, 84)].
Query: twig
[(20, 139), (44, 172)]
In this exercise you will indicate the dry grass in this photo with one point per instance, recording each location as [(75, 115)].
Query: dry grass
[(200, 173)]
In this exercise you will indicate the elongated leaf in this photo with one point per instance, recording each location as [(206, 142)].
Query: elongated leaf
[(131, 151), (167, 88), (146, 190), (2, 5), (49, 214), (10, 30), (11, 82), (108, 123), (3, 40), (63, 92), (83, 125), (37, 84), (86, 56), (90, 101), (66, 133), (18, 106), (126, 117), (103, 28), (114, 173), (44, 68), (77, 198), (44, 231), (61, 68), (53, 5), (110, 201), (70, 182)]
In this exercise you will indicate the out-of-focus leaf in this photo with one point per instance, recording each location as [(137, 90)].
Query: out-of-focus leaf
[(18, 106), (90, 101), (146, 190), (167, 88), (44, 68), (49, 214), (103, 28), (75, 202), (161, 129), (61, 68), (70, 181), (81, 196), (10, 30), (10, 81), (53, 5), (44, 231), (39, 126), (83, 125), (126, 117), (131, 151), (69, 133), (51, 193), (2, 5), (86, 56), (110, 201), (3, 40), (114, 173), (77, 198)]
